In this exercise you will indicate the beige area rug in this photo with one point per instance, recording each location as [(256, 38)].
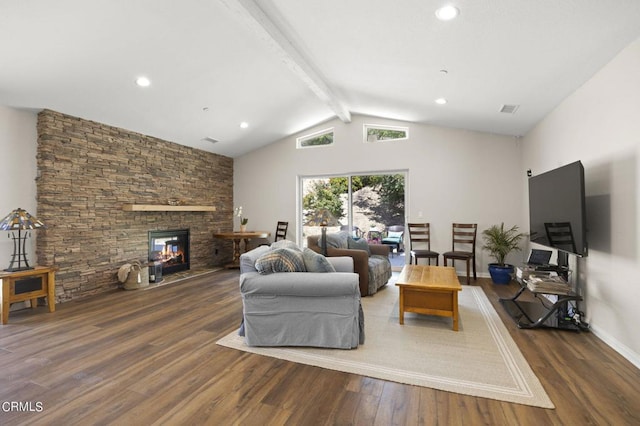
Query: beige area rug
[(479, 360)]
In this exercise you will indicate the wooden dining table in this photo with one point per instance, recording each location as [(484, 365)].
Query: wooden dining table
[(238, 238)]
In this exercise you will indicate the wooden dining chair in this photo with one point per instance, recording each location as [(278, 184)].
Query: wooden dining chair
[(463, 235), (281, 234), (281, 231), (420, 243), (560, 236)]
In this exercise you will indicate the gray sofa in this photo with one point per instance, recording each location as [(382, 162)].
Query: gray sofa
[(320, 309)]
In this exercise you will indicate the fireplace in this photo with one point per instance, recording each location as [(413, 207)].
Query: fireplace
[(170, 250)]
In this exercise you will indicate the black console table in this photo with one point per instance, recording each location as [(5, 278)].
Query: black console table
[(541, 312)]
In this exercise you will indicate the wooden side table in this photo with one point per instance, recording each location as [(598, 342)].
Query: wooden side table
[(236, 237), (29, 284)]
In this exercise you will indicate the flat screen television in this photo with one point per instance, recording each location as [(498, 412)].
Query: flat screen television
[(557, 216)]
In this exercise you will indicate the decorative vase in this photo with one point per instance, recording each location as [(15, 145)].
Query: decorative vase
[(243, 228), (500, 274)]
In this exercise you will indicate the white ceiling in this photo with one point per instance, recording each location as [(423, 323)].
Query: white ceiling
[(285, 65)]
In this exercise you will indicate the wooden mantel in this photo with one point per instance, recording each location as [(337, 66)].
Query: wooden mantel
[(165, 208)]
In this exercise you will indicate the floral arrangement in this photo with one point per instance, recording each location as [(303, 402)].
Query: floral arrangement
[(238, 212)]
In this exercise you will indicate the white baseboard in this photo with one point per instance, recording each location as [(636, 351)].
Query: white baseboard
[(623, 350)]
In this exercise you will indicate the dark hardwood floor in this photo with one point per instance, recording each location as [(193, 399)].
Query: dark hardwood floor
[(150, 357)]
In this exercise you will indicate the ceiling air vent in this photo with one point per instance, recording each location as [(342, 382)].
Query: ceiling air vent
[(209, 139), (509, 109)]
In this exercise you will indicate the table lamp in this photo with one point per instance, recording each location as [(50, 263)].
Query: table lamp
[(19, 220), (323, 218)]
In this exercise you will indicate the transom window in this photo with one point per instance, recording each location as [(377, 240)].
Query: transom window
[(321, 138), (379, 132)]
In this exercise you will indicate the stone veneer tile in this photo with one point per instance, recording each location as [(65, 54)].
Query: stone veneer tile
[(88, 170)]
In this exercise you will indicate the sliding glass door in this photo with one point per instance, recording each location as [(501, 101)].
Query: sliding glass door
[(367, 205)]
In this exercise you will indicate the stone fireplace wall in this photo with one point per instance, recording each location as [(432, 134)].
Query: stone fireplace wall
[(87, 171)]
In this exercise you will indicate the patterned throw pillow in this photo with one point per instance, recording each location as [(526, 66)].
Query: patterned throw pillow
[(359, 244), (315, 262), (280, 260)]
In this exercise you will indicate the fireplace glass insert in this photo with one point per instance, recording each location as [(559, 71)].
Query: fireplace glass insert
[(170, 249)]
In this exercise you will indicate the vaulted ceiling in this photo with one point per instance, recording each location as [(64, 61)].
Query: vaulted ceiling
[(284, 65)]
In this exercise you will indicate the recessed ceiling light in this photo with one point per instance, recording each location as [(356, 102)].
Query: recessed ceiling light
[(447, 13), (441, 101), (244, 125), (143, 82)]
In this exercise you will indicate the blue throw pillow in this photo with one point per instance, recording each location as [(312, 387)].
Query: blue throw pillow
[(359, 244), (395, 234), (280, 260), (336, 240), (315, 262)]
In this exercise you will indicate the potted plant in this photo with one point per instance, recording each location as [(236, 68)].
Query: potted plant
[(243, 220), (243, 224), (499, 242)]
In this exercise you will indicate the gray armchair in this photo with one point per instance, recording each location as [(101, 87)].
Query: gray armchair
[(370, 261)]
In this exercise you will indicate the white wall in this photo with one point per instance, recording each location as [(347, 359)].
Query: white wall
[(18, 145), (599, 124), (453, 176)]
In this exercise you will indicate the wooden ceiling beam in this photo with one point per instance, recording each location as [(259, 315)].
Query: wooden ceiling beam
[(254, 18)]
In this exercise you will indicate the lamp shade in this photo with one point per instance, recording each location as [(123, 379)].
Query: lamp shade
[(20, 219), (322, 217)]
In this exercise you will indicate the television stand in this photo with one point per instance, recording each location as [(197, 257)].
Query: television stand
[(541, 312)]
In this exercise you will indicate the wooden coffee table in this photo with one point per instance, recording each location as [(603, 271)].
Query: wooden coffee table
[(429, 290)]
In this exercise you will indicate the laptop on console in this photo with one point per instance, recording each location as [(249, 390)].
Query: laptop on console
[(539, 258)]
